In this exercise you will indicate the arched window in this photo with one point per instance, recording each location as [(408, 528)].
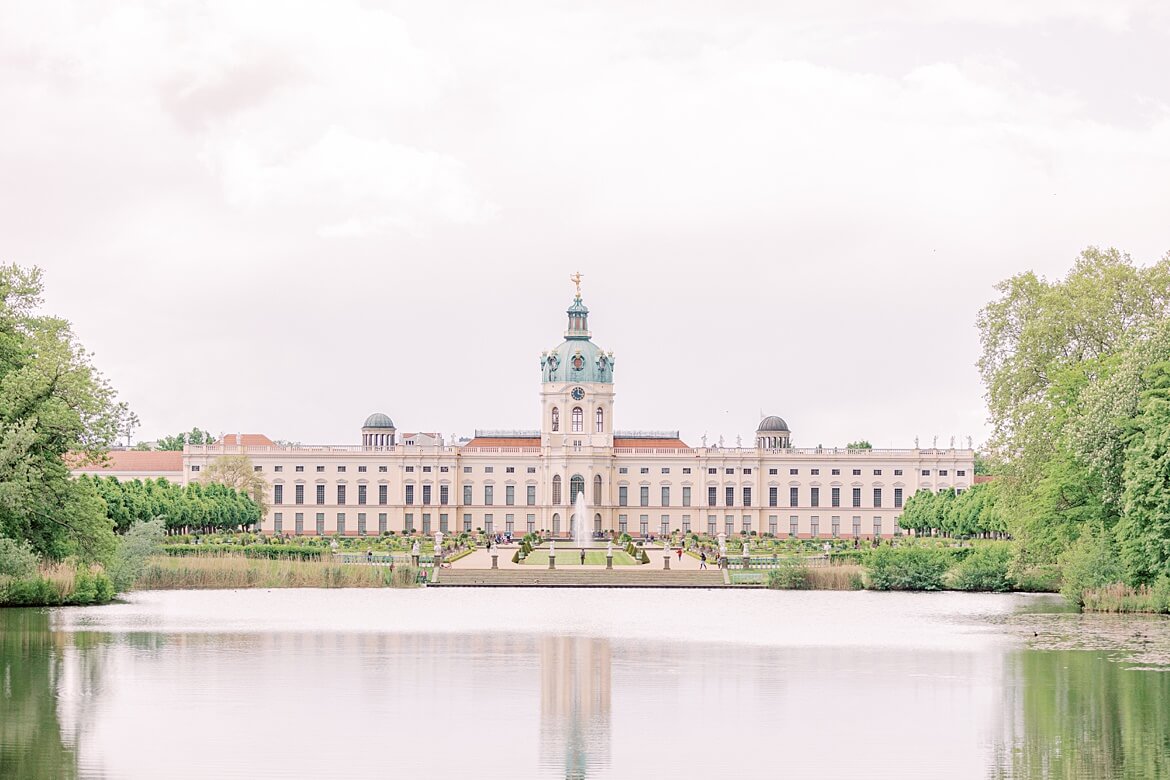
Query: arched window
[(556, 419), (578, 419), (556, 497), (597, 491), (600, 420), (576, 487)]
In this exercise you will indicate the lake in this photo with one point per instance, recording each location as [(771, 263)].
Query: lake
[(543, 683)]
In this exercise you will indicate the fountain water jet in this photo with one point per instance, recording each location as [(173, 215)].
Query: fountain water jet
[(581, 535)]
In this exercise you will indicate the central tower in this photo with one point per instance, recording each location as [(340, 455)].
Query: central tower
[(576, 392)]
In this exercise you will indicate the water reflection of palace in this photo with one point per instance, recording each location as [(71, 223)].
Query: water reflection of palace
[(575, 688)]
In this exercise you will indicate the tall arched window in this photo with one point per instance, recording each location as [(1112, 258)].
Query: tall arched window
[(578, 419), (556, 419), (597, 491), (556, 497), (576, 487), (600, 420)]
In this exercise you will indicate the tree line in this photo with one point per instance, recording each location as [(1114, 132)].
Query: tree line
[(183, 509)]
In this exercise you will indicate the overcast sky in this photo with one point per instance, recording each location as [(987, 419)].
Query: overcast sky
[(280, 217)]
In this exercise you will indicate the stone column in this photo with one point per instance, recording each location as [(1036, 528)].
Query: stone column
[(609, 561), (495, 560), (666, 560)]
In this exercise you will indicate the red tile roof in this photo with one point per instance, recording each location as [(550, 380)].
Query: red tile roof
[(666, 444), (150, 462), (981, 478), (245, 440)]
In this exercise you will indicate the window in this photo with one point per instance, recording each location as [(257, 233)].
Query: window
[(747, 471), (644, 524), (300, 468), (578, 419), (489, 469), (686, 470), (623, 495), (772, 524), (793, 526), (532, 469), (665, 496), (836, 527), (278, 468), (729, 524), (877, 472), (444, 494), (665, 470), (877, 497), (856, 527), (712, 471), (341, 495), (277, 522), (383, 469), (488, 495), (320, 494), (835, 496), (194, 468), (857, 472), (410, 494), (257, 468), (897, 498), (623, 470), (426, 523), (426, 494), (382, 523), (531, 524), (467, 523), (686, 500), (747, 525), (747, 496), (426, 469), (362, 494), (712, 495), (793, 472), (665, 525), (532, 495), (942, 472), (729, 495), (773, 472), (686, 524), (467, 469), (509, 469), (320, 524), (556, 490), (623, 524), (410, 469), (556, 419), (576, 487), (467, 500), (600, 420), (443, 523), (897, 472), (961, 473), (644, 495), (361, 469), (278, 494), (773, 496), (711, 525), (728, 471), (510, 495), (814, 498), (856, 496), (487, 523), (877, 526), (341, 469), (597, 490), (815, 472), (361, 523), (836, 472), (299, 519), (814, 527), (300, 494), (793, 496), (320, 469), (509, 524), (926, 472), (644, 470)]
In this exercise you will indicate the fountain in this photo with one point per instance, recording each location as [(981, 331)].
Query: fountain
[(580, 521)]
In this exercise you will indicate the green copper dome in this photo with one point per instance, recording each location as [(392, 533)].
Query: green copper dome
[(577, 359)]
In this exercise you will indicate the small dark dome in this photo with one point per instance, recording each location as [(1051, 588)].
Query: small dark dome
[(378, 420), (773, 423)]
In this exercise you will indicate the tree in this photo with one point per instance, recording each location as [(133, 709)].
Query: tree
[(1143, 533), (238, 473), (861, 444), (176, 442), (52, 402)]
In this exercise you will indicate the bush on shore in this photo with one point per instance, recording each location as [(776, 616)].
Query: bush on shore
[(1120, 597), (789, 575), (985, 568), (907, 568), (57, 586)]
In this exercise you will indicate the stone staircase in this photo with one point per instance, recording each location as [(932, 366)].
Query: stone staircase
[(588, 578)]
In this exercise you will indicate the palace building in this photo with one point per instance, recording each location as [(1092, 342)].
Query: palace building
[(642, 482)]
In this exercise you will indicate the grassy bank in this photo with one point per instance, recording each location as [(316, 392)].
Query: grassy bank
[(234, 571), (1122, 598), (798, 577), (56, 586)]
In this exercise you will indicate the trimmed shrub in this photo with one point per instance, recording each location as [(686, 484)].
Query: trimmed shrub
[(907, 568), (302, 552), (984, 568), (789, 575)]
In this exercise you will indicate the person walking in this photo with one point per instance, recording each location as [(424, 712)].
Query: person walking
[(680, 552), (702, 560), (582, 556)]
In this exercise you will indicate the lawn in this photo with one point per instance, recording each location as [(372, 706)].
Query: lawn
[(572, 557)]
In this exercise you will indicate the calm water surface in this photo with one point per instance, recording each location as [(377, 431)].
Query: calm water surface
[(574, 683)]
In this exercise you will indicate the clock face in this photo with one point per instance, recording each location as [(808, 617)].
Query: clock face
[(578, 393)]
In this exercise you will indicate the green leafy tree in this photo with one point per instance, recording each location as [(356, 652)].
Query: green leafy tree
[(179, 440), (134, 549), (239, 473), (860, 444), (53, 402), (1143, 533)]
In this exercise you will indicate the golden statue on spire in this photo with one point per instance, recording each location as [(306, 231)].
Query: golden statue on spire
[(576, 279)]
